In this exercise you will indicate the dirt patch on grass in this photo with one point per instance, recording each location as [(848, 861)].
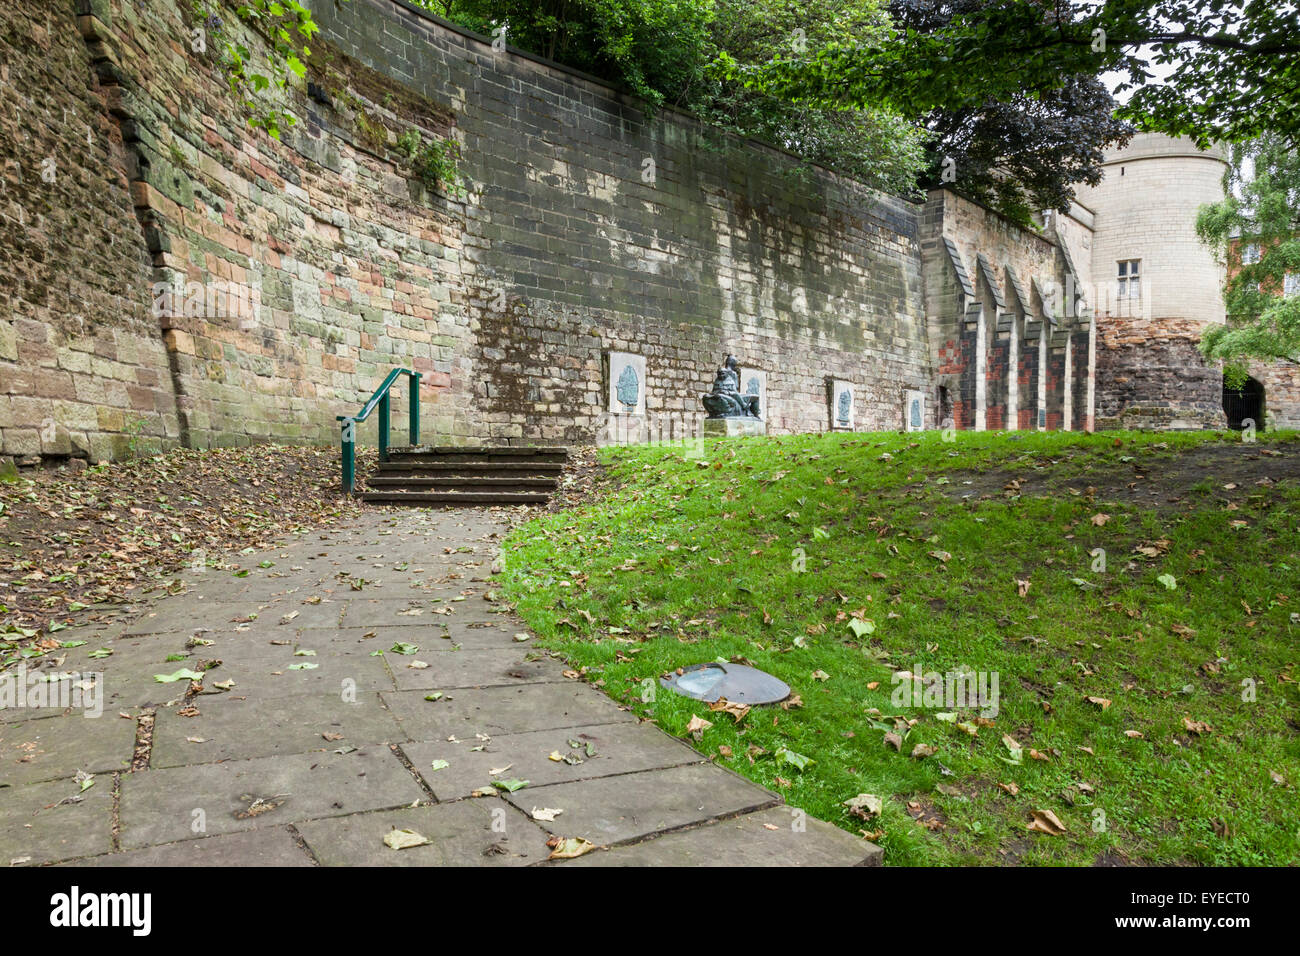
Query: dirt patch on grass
[(583, 478), (1156, 478), (74, 543)]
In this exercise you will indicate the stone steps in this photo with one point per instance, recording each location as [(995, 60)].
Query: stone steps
[(462, 482), (470, 468), (461, 475), (455, 497), (465, 453)]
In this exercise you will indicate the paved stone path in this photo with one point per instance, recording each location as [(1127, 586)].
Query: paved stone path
[(320, 747)]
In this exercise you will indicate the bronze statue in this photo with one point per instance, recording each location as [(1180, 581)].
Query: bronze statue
[(726, 400)]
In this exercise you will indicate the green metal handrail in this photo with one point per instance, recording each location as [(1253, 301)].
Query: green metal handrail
[(378, 399)]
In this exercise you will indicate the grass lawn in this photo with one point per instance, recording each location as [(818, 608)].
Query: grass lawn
[(1150, 707)]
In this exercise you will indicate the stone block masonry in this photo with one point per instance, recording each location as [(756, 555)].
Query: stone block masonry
[(180, 278), (83, 369), (596, 227), (997, 357)]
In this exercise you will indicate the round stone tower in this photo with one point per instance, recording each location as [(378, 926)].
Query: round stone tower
[(1155, 285)]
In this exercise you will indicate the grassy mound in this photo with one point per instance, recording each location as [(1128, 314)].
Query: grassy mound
[(1146, 696)]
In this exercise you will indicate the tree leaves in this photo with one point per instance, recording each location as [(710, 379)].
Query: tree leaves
[(182, 674), (188, 509), (796, 760), (1260, 213), (396, 839), (1045, 821)]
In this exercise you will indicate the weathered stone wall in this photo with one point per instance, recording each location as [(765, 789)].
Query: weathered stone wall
[(987, 319), (1281, 381), (301, 270), (199, 282), (83, 369), (1149, 364), (599, 228), (272, 284)]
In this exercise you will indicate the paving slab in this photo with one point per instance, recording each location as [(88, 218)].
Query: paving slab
[(261, 669), (484, 832), (502, 710), (164, 806), (47, 822), (232, 727), (475, 668), (285, 586), (609, 810), (268, 846), (296, 612), (399, 610), (224, 785), (780, 836), (481, 635), (57, 747), (121, 681), (614, 749), (186, 614)]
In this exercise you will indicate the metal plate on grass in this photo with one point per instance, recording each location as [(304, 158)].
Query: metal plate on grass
[(736, 682)]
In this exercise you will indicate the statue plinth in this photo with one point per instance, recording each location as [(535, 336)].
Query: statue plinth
[(731, 427)]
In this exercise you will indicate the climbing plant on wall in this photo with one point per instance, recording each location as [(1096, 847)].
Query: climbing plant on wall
[(256, 78)]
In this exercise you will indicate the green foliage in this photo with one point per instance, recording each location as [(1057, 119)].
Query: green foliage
[(1231, 65), (1261, 210), (1022, 153), (656, 48), (435, 162), (286, 25), (874, 144), (689, 53)]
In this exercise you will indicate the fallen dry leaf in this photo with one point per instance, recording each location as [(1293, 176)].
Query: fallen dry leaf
[(1198, 727), (397, 839), (737, 711), (1045, 821), (698, 726), (567, 848)]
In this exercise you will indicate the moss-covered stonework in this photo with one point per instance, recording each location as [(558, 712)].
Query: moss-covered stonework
[(192, 280)]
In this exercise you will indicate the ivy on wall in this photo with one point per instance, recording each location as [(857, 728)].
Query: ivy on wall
[(286, 25)]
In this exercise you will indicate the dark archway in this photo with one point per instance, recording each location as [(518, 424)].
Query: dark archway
[(1244, 403)]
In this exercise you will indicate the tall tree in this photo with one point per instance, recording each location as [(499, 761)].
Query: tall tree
[(1261, 214), (1232, 64), (1022, 153)]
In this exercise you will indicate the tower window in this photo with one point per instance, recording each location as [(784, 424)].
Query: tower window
[(1250, 254), (1129, 283), (1291, 284)]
